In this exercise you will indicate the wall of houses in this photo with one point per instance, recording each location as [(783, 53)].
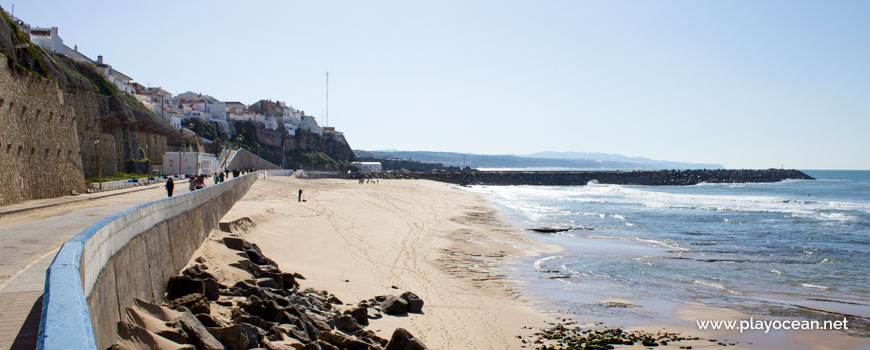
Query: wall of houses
[(39, 150)]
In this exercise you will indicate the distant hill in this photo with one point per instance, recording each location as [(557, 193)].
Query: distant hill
[(530, 161), (652, 163)]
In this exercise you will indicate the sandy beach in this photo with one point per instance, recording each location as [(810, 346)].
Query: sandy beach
[(449, 246), (359, 240)]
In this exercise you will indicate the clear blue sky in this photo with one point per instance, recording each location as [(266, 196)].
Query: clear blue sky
[(751, 84)]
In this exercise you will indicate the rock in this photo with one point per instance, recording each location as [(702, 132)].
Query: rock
[(197, 271), (130, 335), (257, 256), (249, 266), (232, 337), (255, 321), (275, 334), (346, 323), (268, 283), (373, 313), (394, 305), (265, 309), (403, 340), (415, 304), (334, 300), (255, 334), (360, 315), (325, 346), (235, 243), (195, 302), (197, 334), (212, 289), (179, 286), (345, 341), (298, 276), (381, 297), (207, 320), (289, 281), (294, 332)]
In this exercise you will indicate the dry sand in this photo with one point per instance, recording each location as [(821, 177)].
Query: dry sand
[(359, 240)]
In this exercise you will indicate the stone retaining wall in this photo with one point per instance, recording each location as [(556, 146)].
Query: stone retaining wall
[(132, 254)]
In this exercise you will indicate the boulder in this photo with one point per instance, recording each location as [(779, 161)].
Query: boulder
[(267, 282), (195, 302), (346, 323), (235, 243), (373, 313), (265, 309), (232, 337), (294, 332), (360, 315), (179, 286), (345, 341), (403, 340), (394, 305), (207, 320), (415, 304), (197, 334), (212, 289), (289, 281)]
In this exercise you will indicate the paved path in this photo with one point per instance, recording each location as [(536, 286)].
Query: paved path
[(31, 233)]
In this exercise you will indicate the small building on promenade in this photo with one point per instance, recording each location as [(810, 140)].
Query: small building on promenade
[(189, 163), (367, 167)]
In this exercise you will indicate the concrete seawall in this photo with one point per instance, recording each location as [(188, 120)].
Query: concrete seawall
[(132, 254), (579, 178)]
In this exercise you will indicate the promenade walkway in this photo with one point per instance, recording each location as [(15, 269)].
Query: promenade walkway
[(31, 233)]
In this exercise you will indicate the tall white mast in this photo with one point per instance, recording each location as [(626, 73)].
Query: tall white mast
[(327, 98)]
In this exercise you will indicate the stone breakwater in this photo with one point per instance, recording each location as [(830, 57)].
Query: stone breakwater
[(580, 178)]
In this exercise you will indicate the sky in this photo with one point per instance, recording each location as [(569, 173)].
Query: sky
[(743, 83)]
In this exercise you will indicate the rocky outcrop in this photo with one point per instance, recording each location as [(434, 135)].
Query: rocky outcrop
[(269, 311), (580, 178), (305, 150)]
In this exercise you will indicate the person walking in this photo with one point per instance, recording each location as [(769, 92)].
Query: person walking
[(170, 185), (191, 183), (300, 196)]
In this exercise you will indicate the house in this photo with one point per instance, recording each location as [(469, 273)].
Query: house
[(121, 80), (235, 107), (50, 40), (310, 123)]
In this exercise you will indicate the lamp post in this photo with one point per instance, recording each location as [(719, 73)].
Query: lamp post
[(100, 161)]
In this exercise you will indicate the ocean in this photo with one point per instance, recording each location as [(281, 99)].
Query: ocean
[(632, 254)]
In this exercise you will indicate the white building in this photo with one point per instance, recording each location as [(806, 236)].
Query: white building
[(310, 123), (121, 80), (367, 167), (48, 39), (271, 123), (189, 163)]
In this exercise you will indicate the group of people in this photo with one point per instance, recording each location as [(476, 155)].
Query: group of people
[(198, 181), (368, 181)]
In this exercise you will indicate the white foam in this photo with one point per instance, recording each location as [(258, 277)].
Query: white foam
[(813, 286), (709, 284), (521, 198), (540, 262), (645, 240)]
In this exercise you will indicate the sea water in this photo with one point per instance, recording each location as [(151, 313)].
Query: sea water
[(633, 253)]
